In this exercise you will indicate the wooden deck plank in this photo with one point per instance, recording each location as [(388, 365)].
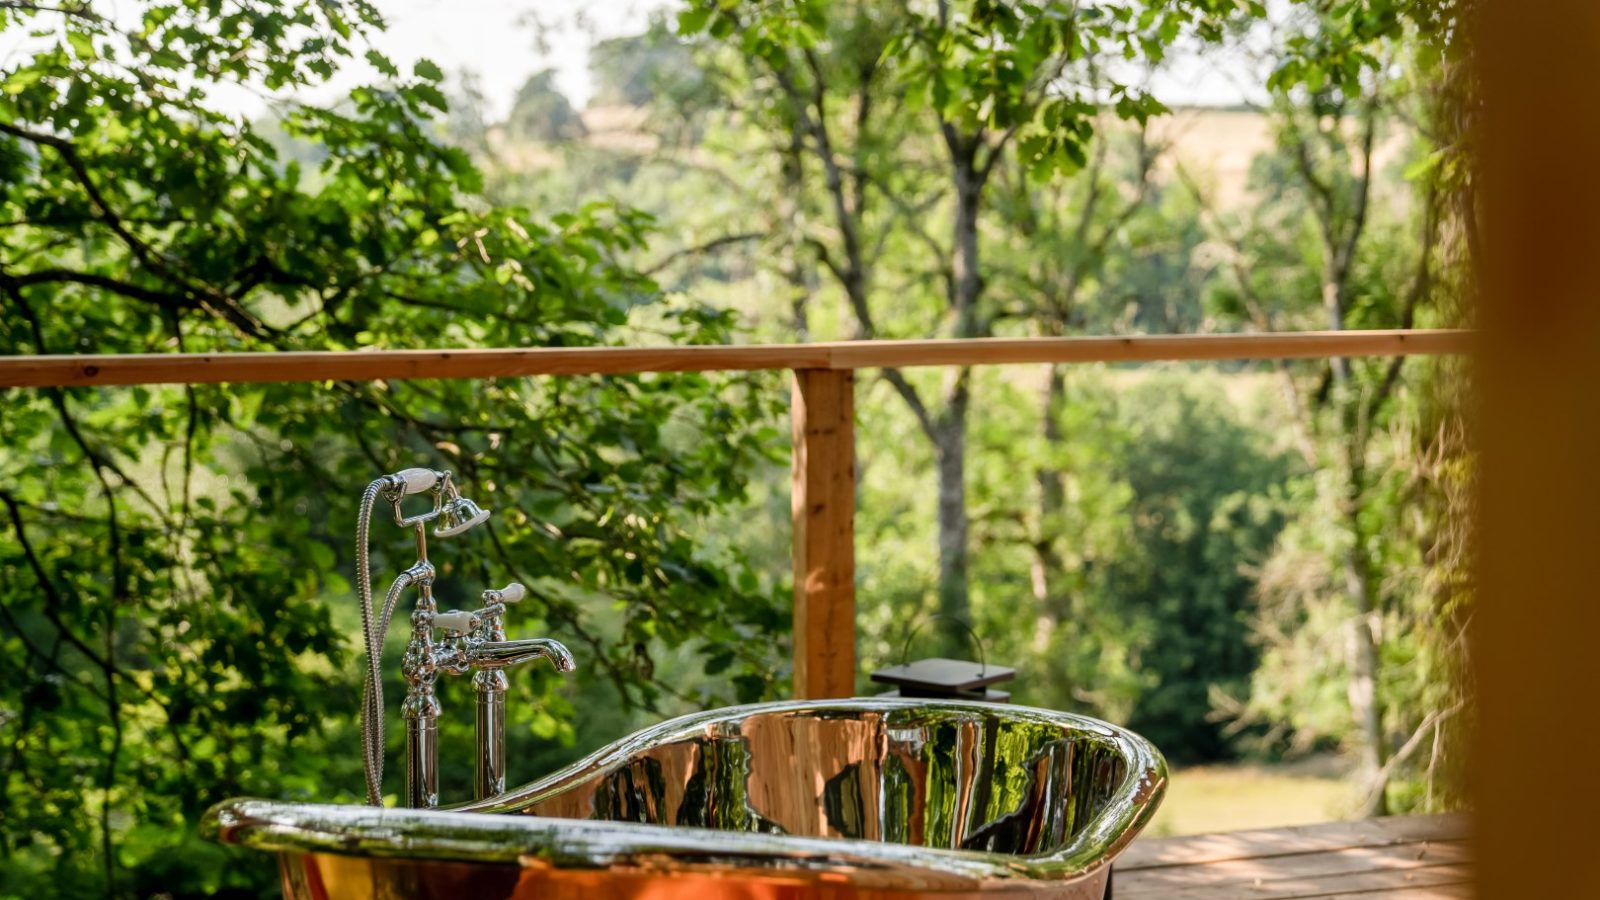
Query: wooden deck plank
[(1305, 865), (1438, 892), (1400, 858), (1203, 848), (1299, 888)]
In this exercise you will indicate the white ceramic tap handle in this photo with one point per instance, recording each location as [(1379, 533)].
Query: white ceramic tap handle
[(457, 621), (415, 481), (511, 593)]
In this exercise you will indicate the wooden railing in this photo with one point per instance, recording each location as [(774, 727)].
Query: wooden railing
[(823, 412)]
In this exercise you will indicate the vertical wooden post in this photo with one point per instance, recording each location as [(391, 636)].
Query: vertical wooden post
[(823, 509), (1538, 515)]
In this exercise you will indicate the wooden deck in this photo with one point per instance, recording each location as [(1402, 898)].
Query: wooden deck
[(1399, 858)]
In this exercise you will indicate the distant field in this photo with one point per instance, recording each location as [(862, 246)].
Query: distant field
[(1232, 797)]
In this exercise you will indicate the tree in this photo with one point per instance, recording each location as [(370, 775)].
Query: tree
[(1208, 503), (900, 109), (644, 69), (174, 614), (1313, 253), (540, 112), (1053, 279)]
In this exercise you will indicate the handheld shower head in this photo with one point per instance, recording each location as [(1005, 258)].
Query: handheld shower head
[(458, 515)]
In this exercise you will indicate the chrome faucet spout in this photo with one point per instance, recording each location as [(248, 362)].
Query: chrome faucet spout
[(501, 654), (490, 657)]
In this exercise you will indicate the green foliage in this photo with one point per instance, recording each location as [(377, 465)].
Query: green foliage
[(1210, 634), (175, 621), (1353, 39), (175, 624), (1019, 68), (652, 68), (1177, 496), (540, 112), (892, 117), (1073, 648), (1209, 503), (1351, 606)]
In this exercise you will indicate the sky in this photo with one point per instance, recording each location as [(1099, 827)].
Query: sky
[(501, 42)]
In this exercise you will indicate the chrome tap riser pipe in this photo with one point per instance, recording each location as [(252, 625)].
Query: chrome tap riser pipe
[(491, 685), (490, 777), (421, 708), (422, 762)]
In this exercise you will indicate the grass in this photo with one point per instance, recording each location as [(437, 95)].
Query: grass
[(1232, 797)]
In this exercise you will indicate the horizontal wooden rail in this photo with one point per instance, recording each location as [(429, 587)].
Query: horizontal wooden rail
[(823, 501), (371, 365)]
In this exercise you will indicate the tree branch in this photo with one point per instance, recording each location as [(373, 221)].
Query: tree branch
[(908, 393), (162, 299), (1322, 194), (205, 297), (1259, 315), (706, 247), (1381, 779), (81, 10), (1421, 287), (1363, 189)]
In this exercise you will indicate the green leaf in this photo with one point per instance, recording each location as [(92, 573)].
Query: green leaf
[(693, 19), (719, 662), (82, 45), (430, 96), (1422, 168), (383, 64), (427, 70)]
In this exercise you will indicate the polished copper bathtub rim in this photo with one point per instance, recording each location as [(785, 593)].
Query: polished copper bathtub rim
[(464, 834)]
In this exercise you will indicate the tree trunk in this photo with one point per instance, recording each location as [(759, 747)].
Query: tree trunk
[(794, 269), (1361, 642), (1361, 645), (1333, 275), (966, 282), (1054, 603), (950, 451), (950, 442)]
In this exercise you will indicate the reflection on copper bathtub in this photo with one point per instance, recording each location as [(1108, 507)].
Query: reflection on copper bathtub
[(866, 798)]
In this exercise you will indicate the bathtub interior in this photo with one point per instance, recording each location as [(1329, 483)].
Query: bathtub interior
[(988, 778)]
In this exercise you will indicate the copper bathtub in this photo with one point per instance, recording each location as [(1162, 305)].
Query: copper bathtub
[(864, 798)]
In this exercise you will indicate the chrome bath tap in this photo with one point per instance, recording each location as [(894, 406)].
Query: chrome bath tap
[(453, 643), (476, 642)]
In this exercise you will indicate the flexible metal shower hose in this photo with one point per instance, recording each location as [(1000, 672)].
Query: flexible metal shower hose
[(374, 634)]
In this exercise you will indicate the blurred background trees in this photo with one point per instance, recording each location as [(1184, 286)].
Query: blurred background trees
[(176, 562), (1254, 562)]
